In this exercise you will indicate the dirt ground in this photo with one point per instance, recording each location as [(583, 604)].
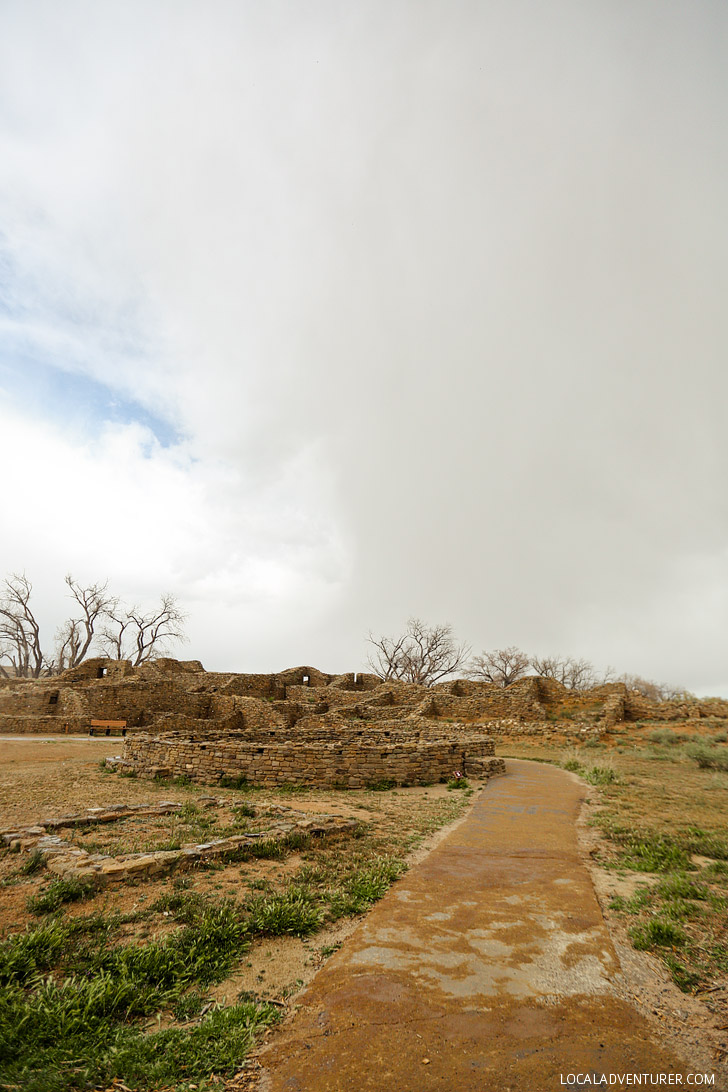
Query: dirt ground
[(45, 778)]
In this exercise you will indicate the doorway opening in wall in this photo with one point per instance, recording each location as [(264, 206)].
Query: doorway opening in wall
[(53, 698)]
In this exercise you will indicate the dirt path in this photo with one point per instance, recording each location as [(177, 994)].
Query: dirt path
[(487, 967)]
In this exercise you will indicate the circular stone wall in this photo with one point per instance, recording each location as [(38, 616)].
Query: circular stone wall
[(350, 761)]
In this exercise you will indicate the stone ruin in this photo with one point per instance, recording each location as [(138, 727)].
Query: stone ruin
[(307, 727)]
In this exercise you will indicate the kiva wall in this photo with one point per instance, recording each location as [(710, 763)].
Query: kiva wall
[(345, 763)]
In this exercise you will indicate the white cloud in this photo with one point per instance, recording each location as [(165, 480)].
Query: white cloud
[(441, 283)]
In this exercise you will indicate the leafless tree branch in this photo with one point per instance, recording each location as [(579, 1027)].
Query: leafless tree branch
[(502, 666), (422, 654)]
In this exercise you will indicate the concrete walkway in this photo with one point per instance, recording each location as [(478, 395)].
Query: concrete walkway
[(487, 967)]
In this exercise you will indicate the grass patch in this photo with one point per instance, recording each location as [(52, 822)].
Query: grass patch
[(59, 892), (601, 775), (294, 913), (650, 851), (657, 933), (364, 887)]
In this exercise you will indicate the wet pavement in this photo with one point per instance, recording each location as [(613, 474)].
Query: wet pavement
[(488, 966)]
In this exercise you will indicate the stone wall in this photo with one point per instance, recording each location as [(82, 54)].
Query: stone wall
[(353, 762)]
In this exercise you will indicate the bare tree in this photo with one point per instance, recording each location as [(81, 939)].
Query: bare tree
[(570, 672), (501, 666), (655, 691), (74, 638), (422, 654), (20, 644), (131, 635)]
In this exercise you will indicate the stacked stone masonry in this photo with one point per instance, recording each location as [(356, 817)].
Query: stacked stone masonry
[(305, 726), (69, 862)]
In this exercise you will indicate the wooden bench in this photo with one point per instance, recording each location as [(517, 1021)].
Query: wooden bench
[(107, 728)]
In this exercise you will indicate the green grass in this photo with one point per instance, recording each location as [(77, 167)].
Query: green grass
[(458, 783), (294, 913), (59, 892), (34, 863), (649, 851), (601, 775), (658, 933)]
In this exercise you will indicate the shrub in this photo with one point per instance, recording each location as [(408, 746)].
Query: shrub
[(664, 735), (708, 757)]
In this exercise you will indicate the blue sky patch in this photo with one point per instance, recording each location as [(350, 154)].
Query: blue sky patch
[(72, 398)]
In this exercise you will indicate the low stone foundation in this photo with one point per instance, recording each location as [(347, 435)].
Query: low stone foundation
[(69, 862), (351, 760)]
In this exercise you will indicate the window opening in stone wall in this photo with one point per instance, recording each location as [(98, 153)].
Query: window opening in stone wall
[(306, 680), (102, 672), (53, 698)]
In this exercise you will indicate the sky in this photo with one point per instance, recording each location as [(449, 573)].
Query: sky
[(324, 315)]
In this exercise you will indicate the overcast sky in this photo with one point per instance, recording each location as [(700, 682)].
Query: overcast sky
[(322, 315)]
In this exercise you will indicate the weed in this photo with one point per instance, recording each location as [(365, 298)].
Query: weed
[(293, 913), (297, 840), (187, 1007), (651, 852), (601, 775), (632, 905), (683, 978), (364, 887), (237, 782), (382, 786), (328, 949), (706, 844), (657, 933), (680, 886), (59, 892), (244, 810), (33, 864)]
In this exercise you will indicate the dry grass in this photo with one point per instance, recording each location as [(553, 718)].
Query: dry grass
[(665, 821)]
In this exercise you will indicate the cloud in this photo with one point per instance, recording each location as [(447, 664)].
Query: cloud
[(426, 302), (152, 518)]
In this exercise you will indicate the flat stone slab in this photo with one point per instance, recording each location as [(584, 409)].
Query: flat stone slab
[(487, 968)]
